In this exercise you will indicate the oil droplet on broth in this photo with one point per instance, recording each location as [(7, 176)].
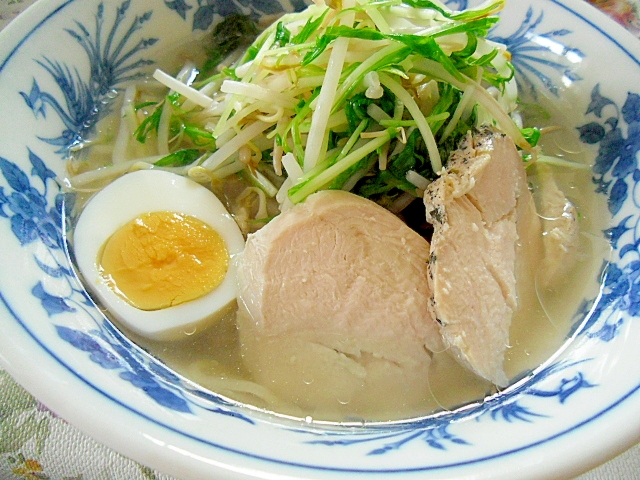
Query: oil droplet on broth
[(307, 379), (190, 331)]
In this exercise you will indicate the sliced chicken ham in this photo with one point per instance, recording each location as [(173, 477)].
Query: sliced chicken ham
[(338, 285), (340, 264), (341, 301), (484, 222)]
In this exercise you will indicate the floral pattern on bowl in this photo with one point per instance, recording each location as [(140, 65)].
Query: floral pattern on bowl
[(114, 42)]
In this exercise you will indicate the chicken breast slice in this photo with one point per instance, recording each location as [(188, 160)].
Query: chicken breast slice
[(339, 264), (486, 233), (560, 226), (335, 296)]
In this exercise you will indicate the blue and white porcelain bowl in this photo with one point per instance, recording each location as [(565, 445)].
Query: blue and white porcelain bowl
[(58, 64)]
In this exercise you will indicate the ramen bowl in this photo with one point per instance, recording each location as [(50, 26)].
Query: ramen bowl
[(60, 63)]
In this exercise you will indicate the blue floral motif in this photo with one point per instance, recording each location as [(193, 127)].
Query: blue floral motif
[(138, 368), (565, 389), (458, 5), (35, 217), (529, 48), (620, 292), (616, 163), (616, 174), (111, 353), (87, 343), (204, 12), (436, 436), (179, 6), (514, 411), (112, 61), (31, 220), (509, 406), (51, 303)]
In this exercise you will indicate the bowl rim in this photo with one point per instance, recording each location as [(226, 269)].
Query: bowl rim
[(16, 360)]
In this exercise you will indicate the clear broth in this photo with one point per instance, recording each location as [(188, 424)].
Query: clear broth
[(212, 358)]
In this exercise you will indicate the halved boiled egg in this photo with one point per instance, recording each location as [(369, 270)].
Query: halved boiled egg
[(157, 250)]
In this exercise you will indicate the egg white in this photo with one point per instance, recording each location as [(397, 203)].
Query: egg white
[(153, 191)]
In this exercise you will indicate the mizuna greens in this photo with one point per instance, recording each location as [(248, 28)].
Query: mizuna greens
[(368, 96)]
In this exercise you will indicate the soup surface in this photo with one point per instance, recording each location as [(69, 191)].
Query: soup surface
[(212, 354), (213, 357)]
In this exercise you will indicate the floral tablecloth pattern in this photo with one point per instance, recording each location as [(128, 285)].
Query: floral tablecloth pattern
[(624, 12), (35, 444)]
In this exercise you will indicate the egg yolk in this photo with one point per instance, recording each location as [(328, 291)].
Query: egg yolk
[(163, 259)]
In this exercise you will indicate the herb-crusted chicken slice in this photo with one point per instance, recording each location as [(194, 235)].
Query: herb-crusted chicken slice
[(485, 230)]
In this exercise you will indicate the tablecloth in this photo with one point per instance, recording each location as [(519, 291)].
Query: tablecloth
[(35, 444)]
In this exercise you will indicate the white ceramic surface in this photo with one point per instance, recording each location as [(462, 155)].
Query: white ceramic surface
[(63, 351)]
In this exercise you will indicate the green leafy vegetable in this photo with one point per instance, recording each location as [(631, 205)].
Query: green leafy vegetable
[(149, 124), (199, 137), (306, 87), (283, 36), (412, 157), (448, 98), (453, 140), (427, 5), (180, 158), (498, 80), (392, 181), (485, 9), (174, 99), (356, 107), (532, 135), (360, 167), (422, 45), (309, 28), (142, 105), (321, 44)]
